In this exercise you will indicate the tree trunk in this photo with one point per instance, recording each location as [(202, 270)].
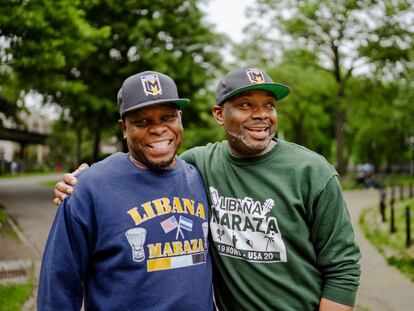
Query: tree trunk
[(340, 115), (78, 146), (340, 138), (96, 144), (299, 131)]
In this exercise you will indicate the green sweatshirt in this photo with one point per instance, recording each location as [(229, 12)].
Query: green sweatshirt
[(282, 236)]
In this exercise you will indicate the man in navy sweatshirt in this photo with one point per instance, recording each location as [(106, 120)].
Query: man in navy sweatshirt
[(134, 234)]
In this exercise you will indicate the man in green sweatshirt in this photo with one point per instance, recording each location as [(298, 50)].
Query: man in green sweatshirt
[(282, 236)]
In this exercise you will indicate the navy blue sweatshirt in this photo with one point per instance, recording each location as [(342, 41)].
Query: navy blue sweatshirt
[(129, 239)]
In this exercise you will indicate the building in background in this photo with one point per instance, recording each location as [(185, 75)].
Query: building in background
[(22, 145)]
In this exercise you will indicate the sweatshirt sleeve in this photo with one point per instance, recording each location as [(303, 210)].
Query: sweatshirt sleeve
[(189, 156), (64, 261), (337, 252)]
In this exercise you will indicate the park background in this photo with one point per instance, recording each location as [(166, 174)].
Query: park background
[(349, 65)]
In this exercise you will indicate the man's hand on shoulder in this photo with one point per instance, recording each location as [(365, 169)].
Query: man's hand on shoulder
[(65, 186)]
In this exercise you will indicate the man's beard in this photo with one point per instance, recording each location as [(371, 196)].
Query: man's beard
[(159, 166), (145, 163), (259, 146)]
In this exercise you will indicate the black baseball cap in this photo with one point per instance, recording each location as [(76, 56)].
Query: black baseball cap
[(250, 78), (148, 88)]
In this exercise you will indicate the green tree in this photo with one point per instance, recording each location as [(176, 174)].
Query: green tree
[(378, 126), (43, 42), (81, 51), (148, 35), (63, 143), (304, 116), (9, 97), (340, 32)]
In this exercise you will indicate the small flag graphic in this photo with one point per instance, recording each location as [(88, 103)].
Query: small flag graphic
[(186, 223), (169, 224)]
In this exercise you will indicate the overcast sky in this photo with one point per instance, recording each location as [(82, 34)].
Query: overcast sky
[(228, 16)]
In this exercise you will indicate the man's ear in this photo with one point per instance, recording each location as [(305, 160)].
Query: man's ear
[(218, 114), (180, 115), (122, 125)]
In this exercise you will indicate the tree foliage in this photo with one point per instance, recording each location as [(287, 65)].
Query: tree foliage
[(347, 35), (377, 136), (78, 53), (304, 116), (46, 40)]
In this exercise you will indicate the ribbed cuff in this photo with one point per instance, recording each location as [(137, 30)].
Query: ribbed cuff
[(339, 295)]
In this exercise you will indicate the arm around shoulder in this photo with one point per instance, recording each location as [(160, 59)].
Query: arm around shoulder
[(188, 156)]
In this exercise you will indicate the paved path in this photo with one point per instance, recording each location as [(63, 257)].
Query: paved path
[(30, 203), (382, 287)]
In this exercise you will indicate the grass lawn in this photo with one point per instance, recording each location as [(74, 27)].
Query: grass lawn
[(3, 215), (391, 246), (12, 297), (25, 174), (4, 227), (50, 183)]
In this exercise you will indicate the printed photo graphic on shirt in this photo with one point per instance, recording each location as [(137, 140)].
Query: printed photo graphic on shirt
[(136, 238), (180, 229), (244, 228)]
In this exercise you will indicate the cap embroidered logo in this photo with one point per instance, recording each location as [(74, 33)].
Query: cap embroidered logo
[(255, 76), (151, 84)]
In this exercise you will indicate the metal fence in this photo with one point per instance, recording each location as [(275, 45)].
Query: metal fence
[(392, 192)]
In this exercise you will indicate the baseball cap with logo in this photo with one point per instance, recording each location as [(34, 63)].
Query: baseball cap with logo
[(148, 88), (244, 79)]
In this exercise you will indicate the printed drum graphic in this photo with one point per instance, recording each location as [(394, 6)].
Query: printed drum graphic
[(136, 238)]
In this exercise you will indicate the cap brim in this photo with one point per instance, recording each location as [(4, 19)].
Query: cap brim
[(179, 102), (280, 91)]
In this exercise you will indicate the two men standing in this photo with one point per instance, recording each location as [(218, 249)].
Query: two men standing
[(280, 231)]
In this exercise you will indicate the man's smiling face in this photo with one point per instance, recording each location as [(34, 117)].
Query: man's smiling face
[(249, 120), (153, 135)]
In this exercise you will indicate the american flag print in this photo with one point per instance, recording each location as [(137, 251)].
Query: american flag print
[(169, 224)]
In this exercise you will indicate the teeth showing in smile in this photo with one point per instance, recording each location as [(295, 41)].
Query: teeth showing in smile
[(260, 133), (160, 144), (257, 129)]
